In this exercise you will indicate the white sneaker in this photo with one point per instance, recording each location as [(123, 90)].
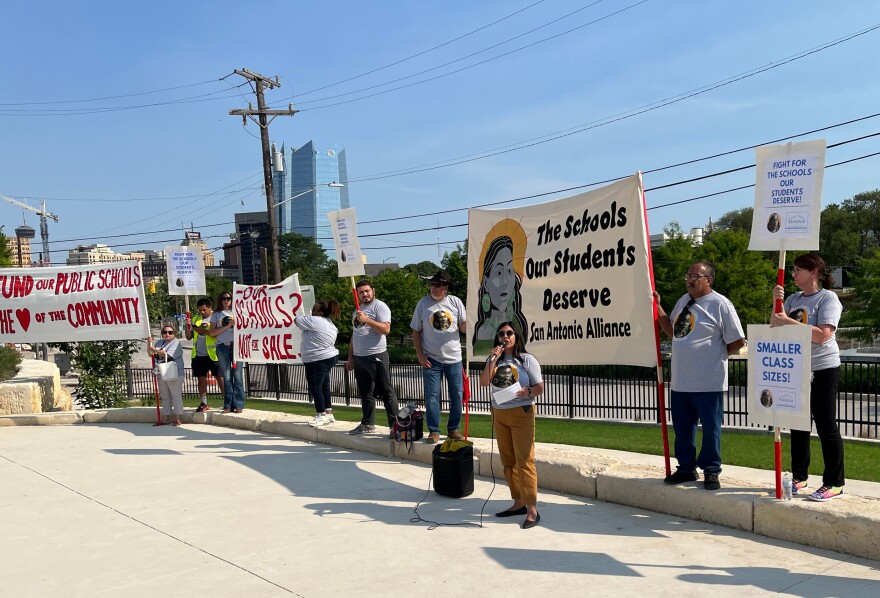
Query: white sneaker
[(329, 419), (318, 421)]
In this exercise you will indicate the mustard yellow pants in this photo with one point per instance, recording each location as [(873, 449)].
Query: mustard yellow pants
[(515, 434)]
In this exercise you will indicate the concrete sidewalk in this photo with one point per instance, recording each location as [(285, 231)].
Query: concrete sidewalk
[(135, 510)]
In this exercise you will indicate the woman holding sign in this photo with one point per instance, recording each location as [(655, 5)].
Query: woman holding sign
[(164, 350), (819, 308), (515, 377), (319, 355)]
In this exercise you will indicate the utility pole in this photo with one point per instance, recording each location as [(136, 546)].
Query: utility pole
[(264, 118)]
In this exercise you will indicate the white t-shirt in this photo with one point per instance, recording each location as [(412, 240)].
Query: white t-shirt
[(318, 339), (364, 340), (702, 329), (508, 370), (822, 307), (438, 322)]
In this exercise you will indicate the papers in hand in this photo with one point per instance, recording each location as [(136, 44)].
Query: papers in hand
[(504, 395)]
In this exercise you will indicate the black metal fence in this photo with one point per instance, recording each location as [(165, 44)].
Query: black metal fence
[(620, 393)]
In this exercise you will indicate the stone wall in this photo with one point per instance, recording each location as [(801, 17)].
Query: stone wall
[(35, 389)]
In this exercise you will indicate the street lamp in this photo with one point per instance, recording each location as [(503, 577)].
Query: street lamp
[(388, 258), (334, 184)]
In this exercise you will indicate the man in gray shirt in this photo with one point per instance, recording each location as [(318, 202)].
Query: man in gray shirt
[(368, 357), (705, 330), (436, 323)]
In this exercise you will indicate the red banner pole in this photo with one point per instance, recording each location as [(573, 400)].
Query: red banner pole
[(357, 304), (155, 389), (777, 434), (661, 388)]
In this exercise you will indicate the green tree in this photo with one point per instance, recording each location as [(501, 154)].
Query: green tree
[(740, 220), (455, 264), (841, 241), (5, 255), (401, 290), (745, 277), (671, 262), (863, 317), (303, 255), (214, 285), (425, 268)]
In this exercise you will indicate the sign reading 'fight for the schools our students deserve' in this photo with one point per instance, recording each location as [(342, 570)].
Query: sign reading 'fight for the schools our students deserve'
[(73, 303)]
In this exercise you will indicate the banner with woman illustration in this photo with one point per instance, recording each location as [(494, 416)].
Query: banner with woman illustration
[(571, 276)]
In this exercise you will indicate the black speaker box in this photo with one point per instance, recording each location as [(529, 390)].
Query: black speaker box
[(454, 472)]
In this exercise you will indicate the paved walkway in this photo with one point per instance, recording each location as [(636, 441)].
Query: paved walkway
[(135, 510)]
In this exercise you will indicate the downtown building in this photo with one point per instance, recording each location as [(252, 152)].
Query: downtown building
[(304, 175)]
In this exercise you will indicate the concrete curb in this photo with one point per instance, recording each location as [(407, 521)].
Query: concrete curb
[(850, 525)]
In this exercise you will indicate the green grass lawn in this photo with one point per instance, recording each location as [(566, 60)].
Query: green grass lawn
[(743, 448)]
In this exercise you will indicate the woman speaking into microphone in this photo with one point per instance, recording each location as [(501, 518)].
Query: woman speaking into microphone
[(515, 378)]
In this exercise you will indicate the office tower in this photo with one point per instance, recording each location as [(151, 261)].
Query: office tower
[(305, 175)]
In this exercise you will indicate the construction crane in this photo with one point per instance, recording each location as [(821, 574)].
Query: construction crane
[(44, 227)]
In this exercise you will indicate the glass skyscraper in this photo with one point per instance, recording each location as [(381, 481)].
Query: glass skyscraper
[(308, 171)]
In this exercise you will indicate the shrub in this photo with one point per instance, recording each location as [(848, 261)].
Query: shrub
[(97, 362), (9, 360)]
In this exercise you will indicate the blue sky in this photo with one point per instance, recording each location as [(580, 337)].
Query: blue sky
[(649, 52)]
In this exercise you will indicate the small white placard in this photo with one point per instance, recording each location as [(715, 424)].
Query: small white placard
[(504, 395)]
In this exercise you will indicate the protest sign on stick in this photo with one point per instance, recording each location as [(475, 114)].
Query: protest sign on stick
[(779, 376), (348, 247), (788, 207)]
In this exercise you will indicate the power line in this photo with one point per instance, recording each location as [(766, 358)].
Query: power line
[(471, 55), (116, 97), (620, 116), (205, 97), (417, 54), (466, 67)]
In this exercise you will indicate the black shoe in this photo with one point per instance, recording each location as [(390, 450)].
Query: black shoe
[(511, 512), (202, 408), (711, 481), (682, 476), (530, 523)]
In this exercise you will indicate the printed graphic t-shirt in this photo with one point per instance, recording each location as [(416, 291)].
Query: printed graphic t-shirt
[(318, 338), (507, 371), (822, 307), (364, 340), (438, 322)]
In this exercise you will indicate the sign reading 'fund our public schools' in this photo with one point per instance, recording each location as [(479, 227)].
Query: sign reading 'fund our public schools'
[(73, 303)]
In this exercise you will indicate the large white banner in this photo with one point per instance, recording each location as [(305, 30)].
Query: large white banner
[(788, 196), (186, 270), (572, 275), (348, 247), (73, 303), (779, 376), (264, 330)]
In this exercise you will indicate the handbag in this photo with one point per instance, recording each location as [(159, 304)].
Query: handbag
[(167, 370), (409, 425)]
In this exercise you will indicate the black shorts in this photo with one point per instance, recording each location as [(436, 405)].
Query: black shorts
[(202, 364)]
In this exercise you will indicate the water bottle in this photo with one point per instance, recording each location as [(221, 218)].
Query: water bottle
[(786, 486)]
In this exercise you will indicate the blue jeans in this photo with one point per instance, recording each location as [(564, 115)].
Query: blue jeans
[(431, 376), (233, 379), (687, 408), (318, 379)]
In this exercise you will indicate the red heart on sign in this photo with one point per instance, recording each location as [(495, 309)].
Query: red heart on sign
[(24, 318)]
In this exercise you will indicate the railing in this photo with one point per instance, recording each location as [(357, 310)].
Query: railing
[(620, 393)]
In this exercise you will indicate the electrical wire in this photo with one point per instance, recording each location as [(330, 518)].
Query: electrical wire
[(620, 116), (471, 55), (416, 55), (464, 68), (116, 97)]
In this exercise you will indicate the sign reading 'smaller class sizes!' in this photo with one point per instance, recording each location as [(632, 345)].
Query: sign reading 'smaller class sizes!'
[(779, 376), (788, 196), (73, 303)]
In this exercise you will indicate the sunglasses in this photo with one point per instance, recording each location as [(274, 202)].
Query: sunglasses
[(507, 333), (167, 332)]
